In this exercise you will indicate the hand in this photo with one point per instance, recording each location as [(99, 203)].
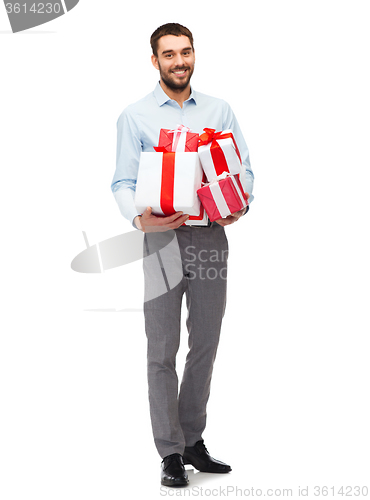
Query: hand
[(150, 223), (230, 219)]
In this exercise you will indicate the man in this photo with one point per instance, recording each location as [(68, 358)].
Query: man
[(178, 420)]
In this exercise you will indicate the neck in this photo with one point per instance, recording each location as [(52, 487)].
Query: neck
[(178, 95)]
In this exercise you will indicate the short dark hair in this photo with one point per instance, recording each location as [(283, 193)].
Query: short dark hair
[(169, 29)]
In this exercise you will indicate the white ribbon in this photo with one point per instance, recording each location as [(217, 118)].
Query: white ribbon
[(241, 196), (179, 138), (219, 199)]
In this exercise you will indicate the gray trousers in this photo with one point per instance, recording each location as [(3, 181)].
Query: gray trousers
[(179, 417)]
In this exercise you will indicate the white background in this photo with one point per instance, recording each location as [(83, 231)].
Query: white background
[(289, 403)]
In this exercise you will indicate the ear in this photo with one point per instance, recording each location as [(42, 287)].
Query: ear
[(155, 61)]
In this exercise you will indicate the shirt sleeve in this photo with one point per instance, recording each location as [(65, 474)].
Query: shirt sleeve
[(247, 176), (129, 148)]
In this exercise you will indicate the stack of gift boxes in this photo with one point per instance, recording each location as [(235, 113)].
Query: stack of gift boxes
[(173, 178)]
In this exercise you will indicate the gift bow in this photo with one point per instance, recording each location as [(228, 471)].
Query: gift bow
[(223, 176), (210, 135), (217, 179), (179, 129), (179, 137)]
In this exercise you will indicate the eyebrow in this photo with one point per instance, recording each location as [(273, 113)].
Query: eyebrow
[(171, 50)]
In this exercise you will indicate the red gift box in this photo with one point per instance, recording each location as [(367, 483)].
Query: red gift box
[(180, 140), (223, 196)]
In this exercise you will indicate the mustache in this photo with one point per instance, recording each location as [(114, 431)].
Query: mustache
[(179, 68)]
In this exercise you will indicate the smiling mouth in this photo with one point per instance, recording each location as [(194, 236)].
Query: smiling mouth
[(180, 72)]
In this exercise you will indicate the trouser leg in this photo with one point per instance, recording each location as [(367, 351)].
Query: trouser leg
[(162, 323), (206, 301), (162, 310), (179, 421)]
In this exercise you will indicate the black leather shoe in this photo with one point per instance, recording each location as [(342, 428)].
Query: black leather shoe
[(199, 457), (173, 471)]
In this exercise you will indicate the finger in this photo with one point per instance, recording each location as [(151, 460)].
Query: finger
[(173, 217), (178, 222), (229, 220), (147, 211), (237, 214), (160, 227), (158, 219)]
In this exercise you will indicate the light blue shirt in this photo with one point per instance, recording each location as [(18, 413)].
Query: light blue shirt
[(138, 130)]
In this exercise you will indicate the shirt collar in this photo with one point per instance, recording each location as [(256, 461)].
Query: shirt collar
[(162, 97)]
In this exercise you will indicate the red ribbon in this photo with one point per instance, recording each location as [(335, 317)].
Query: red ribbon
[(218, 157), (201, 213), (167, 181), (168, 184), (162, 149), (209, 135)]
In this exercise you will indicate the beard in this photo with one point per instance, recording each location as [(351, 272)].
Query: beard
[(171, 83)]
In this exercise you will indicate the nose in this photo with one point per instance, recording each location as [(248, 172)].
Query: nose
[(179, 60)]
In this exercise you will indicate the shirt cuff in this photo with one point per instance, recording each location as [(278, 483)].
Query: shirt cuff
[(133, 222), (125, 200)]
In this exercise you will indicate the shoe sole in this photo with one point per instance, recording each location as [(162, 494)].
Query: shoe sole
[(186, 462), (175, 484)]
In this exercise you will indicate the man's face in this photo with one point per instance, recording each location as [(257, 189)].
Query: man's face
[(175, 61)]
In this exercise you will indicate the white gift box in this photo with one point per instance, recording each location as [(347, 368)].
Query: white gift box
[(168, 182), (219, 155)]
